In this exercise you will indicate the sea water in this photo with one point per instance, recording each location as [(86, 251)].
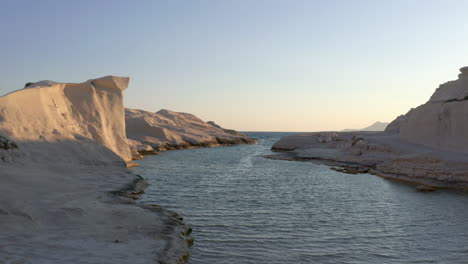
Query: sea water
[(244, 208)]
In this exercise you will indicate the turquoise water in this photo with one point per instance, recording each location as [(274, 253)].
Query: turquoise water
[(244, 208)]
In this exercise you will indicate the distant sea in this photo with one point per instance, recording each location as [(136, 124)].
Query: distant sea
[(244, 208)]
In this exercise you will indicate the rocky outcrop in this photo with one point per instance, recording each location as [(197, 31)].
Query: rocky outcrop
[(229, 131), (452, 90), (139, 149), (442, 122), (8, 149), (65, 119), (427, 145), (63, 150), (167, 130)]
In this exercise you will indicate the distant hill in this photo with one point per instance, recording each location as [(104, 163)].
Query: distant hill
[(377, 126)]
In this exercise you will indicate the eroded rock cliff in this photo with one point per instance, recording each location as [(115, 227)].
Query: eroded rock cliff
[(442, 122), (64, 120), (428, 145), (167, 130), (65, 194)]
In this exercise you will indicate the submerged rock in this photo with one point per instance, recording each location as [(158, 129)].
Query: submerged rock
[(423, 188), (6, 144)]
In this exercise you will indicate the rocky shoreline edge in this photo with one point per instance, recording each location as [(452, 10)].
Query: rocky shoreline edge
[(141, 152), (62, 158), (175, 232), (420, 183), (427, 145)]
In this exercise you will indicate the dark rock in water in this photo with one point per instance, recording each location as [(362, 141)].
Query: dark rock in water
[(229, 131), (148, 152), (7, 144), (351, 169), (423, 188)]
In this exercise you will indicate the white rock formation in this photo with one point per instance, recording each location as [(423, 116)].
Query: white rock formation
[(62, 153), (66, 118), (452, 90), (166, 130), (442, 122), (428, 145)]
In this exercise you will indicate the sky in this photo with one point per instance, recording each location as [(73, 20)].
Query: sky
[(249, 65)]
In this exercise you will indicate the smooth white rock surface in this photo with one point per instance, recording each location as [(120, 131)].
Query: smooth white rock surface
[(62, 153), (167, 129)]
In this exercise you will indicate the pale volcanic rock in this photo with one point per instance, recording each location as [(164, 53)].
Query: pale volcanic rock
[(452, 90), (139, 149), (167, 129), (428, 145), (443, 121), (65, 193), (65, 117)]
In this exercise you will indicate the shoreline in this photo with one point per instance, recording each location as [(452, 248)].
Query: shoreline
[(175, 222), (66, 185), (143, 153), (175, 229), (357, 168), (92, 215)]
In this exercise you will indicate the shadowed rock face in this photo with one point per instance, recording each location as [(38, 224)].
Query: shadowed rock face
[(442, 122), (53, 112), (166, 130)]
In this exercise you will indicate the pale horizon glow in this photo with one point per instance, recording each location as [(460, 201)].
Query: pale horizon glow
[(264, 65)]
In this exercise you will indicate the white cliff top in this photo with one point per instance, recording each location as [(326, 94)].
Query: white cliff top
[(64, 117), (452, 90), (62, 147), (169, 128)]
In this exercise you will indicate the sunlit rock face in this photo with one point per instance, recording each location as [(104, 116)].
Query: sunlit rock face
[(167, 129), (65, 120), (442, 122)]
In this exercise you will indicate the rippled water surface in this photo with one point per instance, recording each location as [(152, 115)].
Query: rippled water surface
[(247, 209)]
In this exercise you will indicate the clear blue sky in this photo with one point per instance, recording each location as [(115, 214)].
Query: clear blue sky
[(269, 65)]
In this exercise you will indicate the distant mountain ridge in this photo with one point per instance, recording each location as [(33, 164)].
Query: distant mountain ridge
[(377, 126)]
